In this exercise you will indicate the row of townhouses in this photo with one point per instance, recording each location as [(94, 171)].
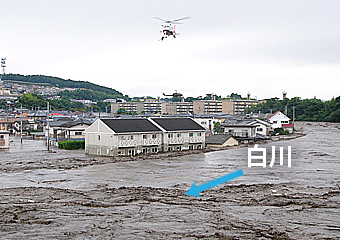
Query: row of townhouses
[(112, 137)]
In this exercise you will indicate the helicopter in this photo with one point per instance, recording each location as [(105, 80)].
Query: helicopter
[(168, 28), (175, 94)]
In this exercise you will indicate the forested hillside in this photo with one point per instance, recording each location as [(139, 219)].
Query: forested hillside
[(55, 81)]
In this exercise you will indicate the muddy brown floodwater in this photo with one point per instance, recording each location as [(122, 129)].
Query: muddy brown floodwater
[(67, 195)]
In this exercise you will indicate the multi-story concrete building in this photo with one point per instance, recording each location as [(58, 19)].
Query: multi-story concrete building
[(196, 107), (207, 106), (175, 108), (137, 107), (238, 106)]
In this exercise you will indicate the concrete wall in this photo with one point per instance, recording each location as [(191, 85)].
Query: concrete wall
[(198, 107), (4, 140), (228, 106)]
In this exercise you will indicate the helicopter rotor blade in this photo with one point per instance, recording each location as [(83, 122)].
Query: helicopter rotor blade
[(180, 19), (159, 19)]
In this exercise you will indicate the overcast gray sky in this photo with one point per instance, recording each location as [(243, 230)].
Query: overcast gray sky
[(263, 47)]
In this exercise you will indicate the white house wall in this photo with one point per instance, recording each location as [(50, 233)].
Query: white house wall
[(278, 119), (240, 131)]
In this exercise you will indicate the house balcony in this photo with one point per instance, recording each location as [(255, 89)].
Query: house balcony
[(195, 139), (150, 142), (241, 134), (127, 143), (176, 141)]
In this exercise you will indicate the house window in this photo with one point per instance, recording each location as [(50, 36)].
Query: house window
[(191, 147), (178, 148), (169, 148), (274, 121), (170, 135), (259, 129), (191, 134), (131, 137), (2, 136), (178, 135), (199, 134), (154, 136), (199, 147), (78, 133), (145, 150), (98, 137), (145, 136), (154, 150), (131, 152)]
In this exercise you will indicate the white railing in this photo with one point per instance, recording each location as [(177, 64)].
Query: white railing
[(176, 140), (195, 139), (151, 141), (127, 143)]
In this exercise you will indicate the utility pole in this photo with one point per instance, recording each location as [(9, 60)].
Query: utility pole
[(48, 126), (21, 125), (293, 115), (3, 65), (7, 115)]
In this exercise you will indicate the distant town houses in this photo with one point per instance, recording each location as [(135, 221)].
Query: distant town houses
[(10, 89), (85, 102), (66, 129), (13, 125)]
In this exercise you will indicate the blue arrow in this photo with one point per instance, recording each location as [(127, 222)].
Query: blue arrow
[(195, 190)]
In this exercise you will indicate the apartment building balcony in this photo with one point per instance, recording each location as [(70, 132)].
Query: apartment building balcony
[(127, 143), (176, 140), (195, 139), (151, 142)]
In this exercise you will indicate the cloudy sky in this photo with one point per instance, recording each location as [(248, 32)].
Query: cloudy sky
[(263, 47)]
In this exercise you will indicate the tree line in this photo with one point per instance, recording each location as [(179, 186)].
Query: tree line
[(305, 109)]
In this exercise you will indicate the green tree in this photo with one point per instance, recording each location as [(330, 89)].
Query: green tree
[(121, 111), (217, 127)]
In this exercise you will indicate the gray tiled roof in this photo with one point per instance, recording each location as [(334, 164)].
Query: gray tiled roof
[(178, 124), (217, 139), (130, 125)]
